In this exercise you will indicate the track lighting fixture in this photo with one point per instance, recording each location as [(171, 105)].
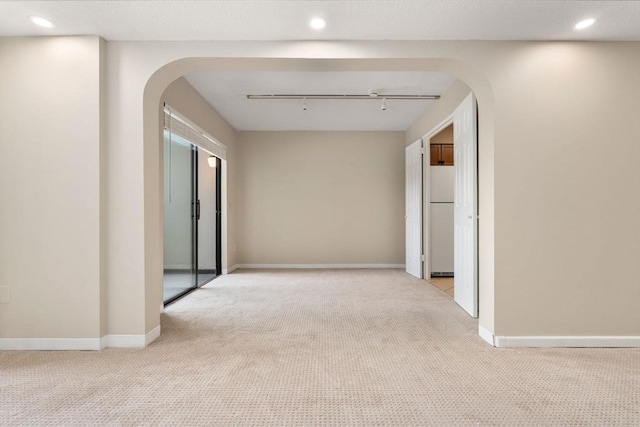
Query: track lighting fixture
[(372, 96)]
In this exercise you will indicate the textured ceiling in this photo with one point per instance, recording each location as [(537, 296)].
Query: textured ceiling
[(227, 90), (347, 20)]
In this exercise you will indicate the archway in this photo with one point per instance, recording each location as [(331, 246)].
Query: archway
[(166, 74)]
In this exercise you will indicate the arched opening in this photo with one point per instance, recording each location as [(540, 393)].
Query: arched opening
[(161, 79)]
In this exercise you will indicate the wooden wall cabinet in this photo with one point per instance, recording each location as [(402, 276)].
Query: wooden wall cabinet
[(441, 154)]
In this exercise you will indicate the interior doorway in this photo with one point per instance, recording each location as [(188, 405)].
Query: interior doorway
[(441, 190), (449, 250)]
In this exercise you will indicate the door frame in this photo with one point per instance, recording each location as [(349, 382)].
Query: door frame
[(426, 184), (426, 174), (219, 209)]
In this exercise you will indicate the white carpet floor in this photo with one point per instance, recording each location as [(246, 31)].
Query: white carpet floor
[(320, 348)]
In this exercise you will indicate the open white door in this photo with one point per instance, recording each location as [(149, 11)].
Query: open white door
[(465, 231), (413, 208), (426, 209)]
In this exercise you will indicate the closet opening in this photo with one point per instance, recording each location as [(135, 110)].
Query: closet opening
[(442, 206)]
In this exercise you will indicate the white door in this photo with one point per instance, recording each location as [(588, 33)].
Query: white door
[(465, 231), (413, 208)]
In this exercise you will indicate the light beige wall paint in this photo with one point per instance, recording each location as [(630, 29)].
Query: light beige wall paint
[(515, 243), (50, 180), (567, 227), (104, 292), (321, 197), (445, 136), (129, 293), (184, 98), (437, 112)]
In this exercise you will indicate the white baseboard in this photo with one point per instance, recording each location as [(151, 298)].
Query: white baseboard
[(565, 341), (317, 266), (485, 335), (230, 269), (114, 341), (50, 344), (131, 341), (151, 336)]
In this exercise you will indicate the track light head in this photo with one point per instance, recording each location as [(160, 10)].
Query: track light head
[(383, 107), (304, 104)]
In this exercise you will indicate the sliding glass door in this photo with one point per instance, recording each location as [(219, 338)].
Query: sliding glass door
[(179, 188), (191, 217)]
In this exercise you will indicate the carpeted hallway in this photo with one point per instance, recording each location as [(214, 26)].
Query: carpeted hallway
[(320, 348)]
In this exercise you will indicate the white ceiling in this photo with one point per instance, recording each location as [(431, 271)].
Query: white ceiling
[(347, 20), (227, 91)]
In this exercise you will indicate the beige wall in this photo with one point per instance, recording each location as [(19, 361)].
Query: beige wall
[(184, 98), (321, 197), (104, 291), (445, 136), (567, 228), (437, 113), (50, 180)]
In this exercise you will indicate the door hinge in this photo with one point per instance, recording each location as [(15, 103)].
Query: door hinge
[(423, 258)]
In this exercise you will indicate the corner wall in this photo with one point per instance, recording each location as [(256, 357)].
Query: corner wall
[(51, 138)]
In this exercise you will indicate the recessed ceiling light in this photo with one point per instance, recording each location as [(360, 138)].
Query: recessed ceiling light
[(317, 23), (41, 22), (585, 23)]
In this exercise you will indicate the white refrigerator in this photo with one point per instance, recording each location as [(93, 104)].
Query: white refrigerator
[(441, 227)]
